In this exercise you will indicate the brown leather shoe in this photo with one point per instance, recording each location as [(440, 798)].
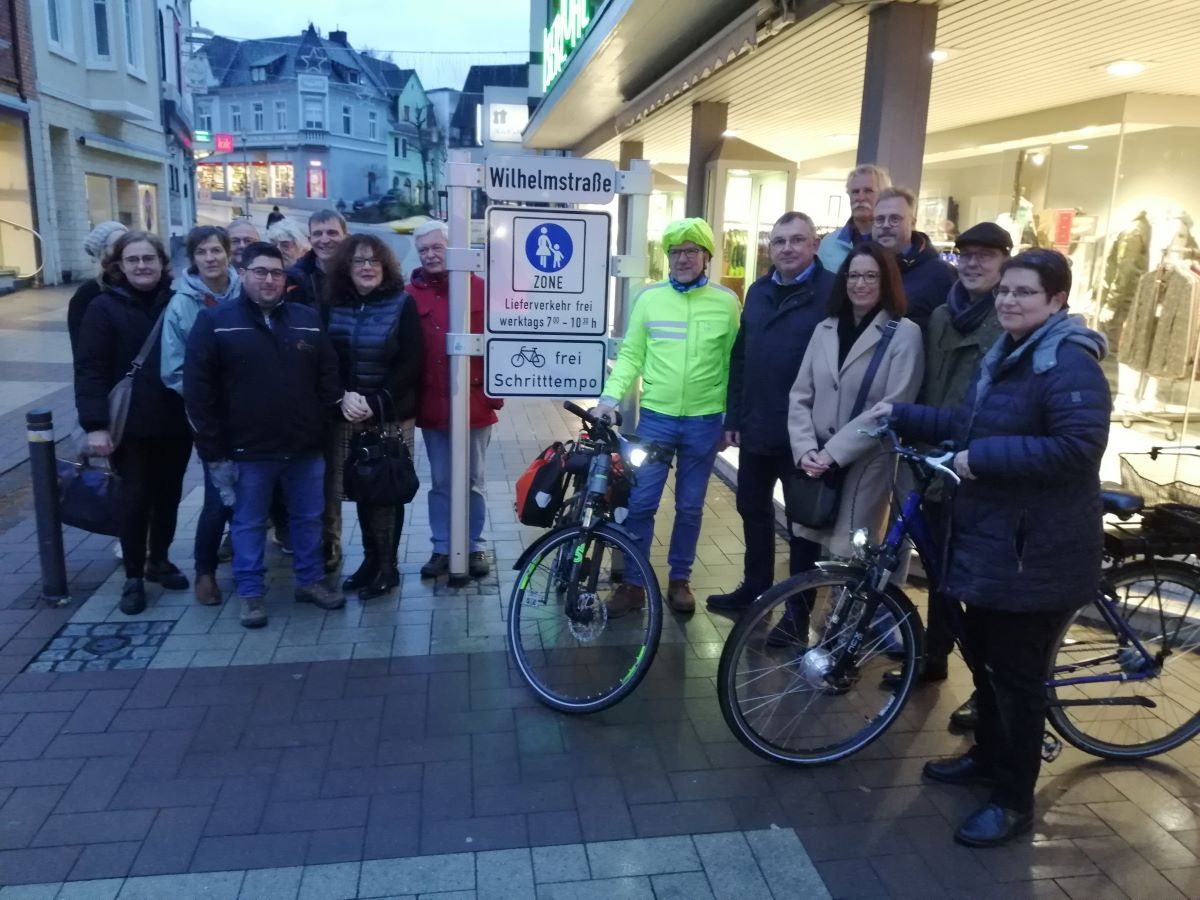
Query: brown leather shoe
[(626, 599), (680, 597), (207, 592)]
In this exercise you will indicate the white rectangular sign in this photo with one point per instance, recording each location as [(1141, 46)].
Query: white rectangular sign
[(549, 179), (506, 121), (547, 271), (524, 367)]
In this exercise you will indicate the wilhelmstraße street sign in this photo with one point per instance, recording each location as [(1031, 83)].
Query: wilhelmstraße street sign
[(547, 279), (549, 179)]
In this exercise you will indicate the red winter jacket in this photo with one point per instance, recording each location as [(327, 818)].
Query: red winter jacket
[(432, 294)]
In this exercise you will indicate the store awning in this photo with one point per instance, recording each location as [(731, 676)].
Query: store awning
[(122, 148)]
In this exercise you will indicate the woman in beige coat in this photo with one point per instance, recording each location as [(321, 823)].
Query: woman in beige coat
[(866, 296)]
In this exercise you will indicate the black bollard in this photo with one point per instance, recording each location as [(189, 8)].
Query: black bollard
[(43, 470)]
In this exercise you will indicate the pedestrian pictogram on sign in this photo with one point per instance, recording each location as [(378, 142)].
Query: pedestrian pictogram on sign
[(548, 247)]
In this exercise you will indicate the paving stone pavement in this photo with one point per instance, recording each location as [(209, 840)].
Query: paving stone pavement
[(339, 772)]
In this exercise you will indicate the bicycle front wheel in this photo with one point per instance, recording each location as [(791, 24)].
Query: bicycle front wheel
[(778, 685), (1141, 708), (568, 649)]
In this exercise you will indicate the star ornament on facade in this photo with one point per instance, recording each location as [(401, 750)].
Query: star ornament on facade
[(315, 60)]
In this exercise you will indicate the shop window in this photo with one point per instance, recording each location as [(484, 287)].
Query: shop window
[(347, 119), (99, 35), (372, 126), (99, 199), (260, 117), (235, 117), (316, 183), (134, 60), (211, 177), (281, 121), (284, 176), (314, 113)]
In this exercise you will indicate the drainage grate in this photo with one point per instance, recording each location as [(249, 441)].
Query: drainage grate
[(83, 647)]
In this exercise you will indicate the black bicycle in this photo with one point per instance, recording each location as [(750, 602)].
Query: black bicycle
[(570, 652)]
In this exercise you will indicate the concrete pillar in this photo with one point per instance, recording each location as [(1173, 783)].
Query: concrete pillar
[(895, 100), (709, 120)]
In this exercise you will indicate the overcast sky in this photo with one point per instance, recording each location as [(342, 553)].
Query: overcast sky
[(427, 35)]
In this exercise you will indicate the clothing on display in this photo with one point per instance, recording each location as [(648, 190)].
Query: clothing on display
[(1159, 338), (1128, 261)]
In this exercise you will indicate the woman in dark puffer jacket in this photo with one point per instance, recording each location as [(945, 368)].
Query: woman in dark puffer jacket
[(1026, 532), (374, 327)]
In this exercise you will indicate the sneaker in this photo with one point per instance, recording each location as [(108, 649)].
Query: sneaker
[(680, 597), (254, 612), (167, 574), (133, 597), (626, 599), (478, 565), (966, 716), (737, 600), (333, 556), (207, 592), (438, 565), (225, 551), (320, 595)]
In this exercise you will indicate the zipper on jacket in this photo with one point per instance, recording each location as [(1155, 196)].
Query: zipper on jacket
[(1019, 539)]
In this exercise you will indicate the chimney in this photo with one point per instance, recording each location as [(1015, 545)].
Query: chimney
[(339, 37)]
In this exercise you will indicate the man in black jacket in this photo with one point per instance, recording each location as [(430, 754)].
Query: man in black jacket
[(260, 383), (306, 278), (927, 277), (782, 309)]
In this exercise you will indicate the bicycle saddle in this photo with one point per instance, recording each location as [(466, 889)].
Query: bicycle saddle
[(1120, 502)]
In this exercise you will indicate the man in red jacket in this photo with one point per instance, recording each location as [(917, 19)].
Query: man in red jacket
[(430, 289)]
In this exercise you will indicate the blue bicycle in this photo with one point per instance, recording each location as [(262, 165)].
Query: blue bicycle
[(801, 675)]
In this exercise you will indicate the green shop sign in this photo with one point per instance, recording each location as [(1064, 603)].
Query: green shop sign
[(569, 21)]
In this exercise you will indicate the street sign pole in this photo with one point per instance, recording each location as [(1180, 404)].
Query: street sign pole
[(635, 231)]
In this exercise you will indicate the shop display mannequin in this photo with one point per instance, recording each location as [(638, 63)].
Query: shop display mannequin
[(1127, 262)]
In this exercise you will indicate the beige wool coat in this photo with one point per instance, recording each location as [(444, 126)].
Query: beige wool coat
[(822, 399)]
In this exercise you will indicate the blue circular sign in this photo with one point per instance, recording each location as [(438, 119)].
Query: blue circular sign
[(548, 247)]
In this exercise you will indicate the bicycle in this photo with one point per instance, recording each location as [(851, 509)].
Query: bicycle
[(536, 359), (566, 648), (822, 697)]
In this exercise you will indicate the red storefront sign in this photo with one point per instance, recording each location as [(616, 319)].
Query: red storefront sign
[(223, 142)]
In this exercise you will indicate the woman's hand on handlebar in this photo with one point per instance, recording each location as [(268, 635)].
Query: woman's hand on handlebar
[(881, 410)]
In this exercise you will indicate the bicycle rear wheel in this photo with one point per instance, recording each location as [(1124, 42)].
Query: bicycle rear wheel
[(566, 647), (1160, 601), (779, 700)]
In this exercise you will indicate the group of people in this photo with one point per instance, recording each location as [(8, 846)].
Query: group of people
[(869, 324), (271, 358)]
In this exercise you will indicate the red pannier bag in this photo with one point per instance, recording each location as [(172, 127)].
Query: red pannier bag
[(541, 487)]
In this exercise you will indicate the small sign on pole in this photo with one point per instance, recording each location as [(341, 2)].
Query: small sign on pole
[(550, 179)]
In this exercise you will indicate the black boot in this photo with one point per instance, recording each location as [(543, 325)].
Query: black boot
[(365, 573), (382, 524)]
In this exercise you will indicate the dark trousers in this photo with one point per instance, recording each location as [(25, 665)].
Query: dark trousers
[(1011, 652), (757, 475), (944, 613), (210, 528), (381, 529), (151, 470)]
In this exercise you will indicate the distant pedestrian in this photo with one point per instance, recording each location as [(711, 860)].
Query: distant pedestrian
[(863, 185), (430, 288), (152, 455), (242, 233), (261, 387), (98, 245), (291, 239), (926, 276), (209, 281), (273, 216), (375, 329)]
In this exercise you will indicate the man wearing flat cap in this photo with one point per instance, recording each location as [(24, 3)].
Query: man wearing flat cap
[(960, 332), (678, 342)]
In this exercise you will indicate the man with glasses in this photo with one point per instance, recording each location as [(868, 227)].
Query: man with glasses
[(959, 333), (260, 383), (242, 233), (782, 310), (430, 290), (927, 277), (863, 185), (678, 341)]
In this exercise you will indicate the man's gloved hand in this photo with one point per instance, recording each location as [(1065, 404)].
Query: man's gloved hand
[(606, 409), (224, 475)]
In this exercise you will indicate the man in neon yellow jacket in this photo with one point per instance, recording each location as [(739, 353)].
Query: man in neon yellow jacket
[(679, 338)]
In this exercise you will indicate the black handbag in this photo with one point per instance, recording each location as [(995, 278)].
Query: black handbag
[(379, 470), (90, 497), (813, 502)]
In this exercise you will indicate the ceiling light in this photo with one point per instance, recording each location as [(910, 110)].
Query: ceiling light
[(842, 138), (939, 55), (1077, 146), (1124, 68), (729, 133), (740, 173), (1037, 158)]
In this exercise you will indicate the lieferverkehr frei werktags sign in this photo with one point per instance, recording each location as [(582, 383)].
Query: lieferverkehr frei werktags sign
[(549, 179), (547, 302)]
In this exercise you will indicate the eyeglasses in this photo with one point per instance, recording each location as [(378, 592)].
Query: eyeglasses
[(685, 252), (794, 241), (143, 260), (362, 262), (262, 273), (1003, 293), (893, 219), (866, 277)]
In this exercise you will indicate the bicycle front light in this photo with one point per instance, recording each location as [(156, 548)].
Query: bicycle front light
[(859, 541), (637, 456)]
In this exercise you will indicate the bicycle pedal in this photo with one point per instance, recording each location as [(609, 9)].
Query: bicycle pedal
[(1051, 747)]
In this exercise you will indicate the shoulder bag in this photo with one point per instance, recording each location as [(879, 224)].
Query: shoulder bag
[(379, 470), (121, 395), (813, 502)]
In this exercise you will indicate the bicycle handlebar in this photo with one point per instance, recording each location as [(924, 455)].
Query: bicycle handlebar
[(582, 413), (937, 462)]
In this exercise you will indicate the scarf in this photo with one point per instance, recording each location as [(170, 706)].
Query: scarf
[(967, 312), (691, 285)]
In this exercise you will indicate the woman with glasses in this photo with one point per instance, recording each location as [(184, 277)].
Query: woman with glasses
[(374, 328), (153, 452), (1026, 534), (846, 352)]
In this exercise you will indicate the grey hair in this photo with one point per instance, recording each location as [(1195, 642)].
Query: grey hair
[(433, 225), (879, 173), (288, 229), (794, 216)]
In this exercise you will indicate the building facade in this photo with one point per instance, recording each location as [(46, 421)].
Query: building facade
[(19, 251), (173, 26), (99, 151), (416, 157), (301, 120), (490, 115)]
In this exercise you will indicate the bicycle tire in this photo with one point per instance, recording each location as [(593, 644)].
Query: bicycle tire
[(798, 674), (549, 652), (1124, 731)]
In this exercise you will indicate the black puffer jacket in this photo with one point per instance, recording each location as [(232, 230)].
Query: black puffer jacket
[(379, 347), (306, 284), (115, 326)]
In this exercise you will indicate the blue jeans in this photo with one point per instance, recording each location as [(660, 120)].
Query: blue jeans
[(210, 527), (694, 439), (437, 448), (303, 482)]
